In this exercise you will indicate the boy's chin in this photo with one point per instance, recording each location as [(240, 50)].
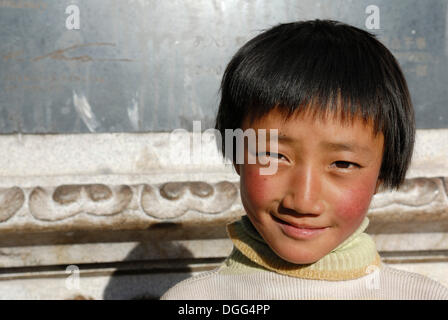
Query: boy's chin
[(300, 259)]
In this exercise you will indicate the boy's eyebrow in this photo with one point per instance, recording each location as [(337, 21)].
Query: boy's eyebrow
[(351, 147), (331, 146)]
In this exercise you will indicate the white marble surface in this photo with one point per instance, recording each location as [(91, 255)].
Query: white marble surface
[(407, 223), (105, 155)]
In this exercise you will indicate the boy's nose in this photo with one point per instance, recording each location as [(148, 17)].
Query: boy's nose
[(305, 192)]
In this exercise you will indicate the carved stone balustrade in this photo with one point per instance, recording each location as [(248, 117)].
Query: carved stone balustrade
[(135, 213)]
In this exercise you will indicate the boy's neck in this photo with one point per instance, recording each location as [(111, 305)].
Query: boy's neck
[(355, 257)]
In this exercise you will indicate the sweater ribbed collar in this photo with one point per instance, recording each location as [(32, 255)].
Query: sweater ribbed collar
[(355, 257)]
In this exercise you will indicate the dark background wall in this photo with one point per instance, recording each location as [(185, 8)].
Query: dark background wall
[(147, 65)]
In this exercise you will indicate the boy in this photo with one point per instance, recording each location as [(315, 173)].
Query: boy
[(345, 127)]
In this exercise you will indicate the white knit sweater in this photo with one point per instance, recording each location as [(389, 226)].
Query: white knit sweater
[(351, 271), (256, 283)]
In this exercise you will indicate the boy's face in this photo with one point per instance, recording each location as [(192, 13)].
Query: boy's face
[(326, 176)]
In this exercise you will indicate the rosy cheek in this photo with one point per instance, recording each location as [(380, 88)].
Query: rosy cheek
[(354, 202), (257, 187)]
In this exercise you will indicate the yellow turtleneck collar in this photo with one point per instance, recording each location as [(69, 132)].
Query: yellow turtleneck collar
[(355, 257)]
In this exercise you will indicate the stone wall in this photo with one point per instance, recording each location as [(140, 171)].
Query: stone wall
[(124, 216)]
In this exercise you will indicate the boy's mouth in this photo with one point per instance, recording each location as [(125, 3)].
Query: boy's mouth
[(299, 231)]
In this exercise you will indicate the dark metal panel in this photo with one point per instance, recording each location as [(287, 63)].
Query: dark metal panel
[(147, 65)]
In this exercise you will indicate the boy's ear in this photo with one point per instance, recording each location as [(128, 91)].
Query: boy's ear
[(378, 185)]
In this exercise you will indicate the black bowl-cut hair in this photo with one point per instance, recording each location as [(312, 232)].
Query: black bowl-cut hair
[(323, 66)]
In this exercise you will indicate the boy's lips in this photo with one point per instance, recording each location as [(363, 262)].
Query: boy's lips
[(299, 231), (297, 225)]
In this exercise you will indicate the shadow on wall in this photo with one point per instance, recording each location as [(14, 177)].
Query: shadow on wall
[(139, 278)]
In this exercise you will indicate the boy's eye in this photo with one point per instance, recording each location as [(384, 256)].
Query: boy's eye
[(345, 164), (270, 154)]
